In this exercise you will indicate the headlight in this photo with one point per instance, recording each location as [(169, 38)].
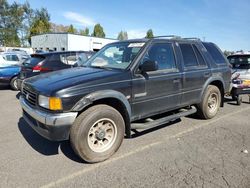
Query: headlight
[(51, 103)]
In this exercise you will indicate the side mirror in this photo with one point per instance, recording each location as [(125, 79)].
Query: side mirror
[(149, 66)]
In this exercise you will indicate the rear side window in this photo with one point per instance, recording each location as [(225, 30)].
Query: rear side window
[(12, 58), (188, 55), (199, 56), (215, 53)]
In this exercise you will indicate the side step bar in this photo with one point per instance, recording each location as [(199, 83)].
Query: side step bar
[(164, 120)]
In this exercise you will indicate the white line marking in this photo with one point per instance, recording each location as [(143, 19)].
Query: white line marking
[(111, 160)]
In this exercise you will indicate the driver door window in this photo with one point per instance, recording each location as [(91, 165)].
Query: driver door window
[(163, 54)]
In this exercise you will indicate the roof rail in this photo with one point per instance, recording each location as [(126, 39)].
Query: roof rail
[(167, 36), (192, 38)]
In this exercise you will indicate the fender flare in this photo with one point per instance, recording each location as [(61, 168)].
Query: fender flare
[(103, 94), (209, 81)]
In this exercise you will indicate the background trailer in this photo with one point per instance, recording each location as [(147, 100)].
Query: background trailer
[(68, 42)]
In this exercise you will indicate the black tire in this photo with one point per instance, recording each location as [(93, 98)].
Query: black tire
[(13, 83), (207, 110), (238, 100), (81, 135)]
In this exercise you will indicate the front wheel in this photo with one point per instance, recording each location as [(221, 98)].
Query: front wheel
[(97, 133), (210, 103)]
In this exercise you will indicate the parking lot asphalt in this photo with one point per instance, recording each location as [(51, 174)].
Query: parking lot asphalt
[(187, 153)]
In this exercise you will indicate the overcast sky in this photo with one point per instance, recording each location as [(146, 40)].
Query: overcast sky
[(225, 22)]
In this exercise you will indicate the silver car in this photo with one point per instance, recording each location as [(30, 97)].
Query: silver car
[(241, 75), (241, 65)]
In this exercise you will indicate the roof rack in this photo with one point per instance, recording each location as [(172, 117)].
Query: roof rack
[(192, 38), (167, 36)]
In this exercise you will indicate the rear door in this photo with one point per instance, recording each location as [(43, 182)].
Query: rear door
[(157, 91), (195, 73)]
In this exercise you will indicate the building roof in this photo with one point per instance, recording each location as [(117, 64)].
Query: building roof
[(65, 33)]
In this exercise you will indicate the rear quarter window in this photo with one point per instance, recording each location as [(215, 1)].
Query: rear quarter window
[(215, 53)]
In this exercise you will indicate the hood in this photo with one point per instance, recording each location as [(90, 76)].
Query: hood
[(50, 83)]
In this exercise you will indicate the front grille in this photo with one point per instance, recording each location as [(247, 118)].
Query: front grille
[(31, 97)]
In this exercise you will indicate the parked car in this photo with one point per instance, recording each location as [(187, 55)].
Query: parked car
[(241, 65), (18, 51), (8, 75), (241, 75), (12, 58), (51, 61), (122, 85)]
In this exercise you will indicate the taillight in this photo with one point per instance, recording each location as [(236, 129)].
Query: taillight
[(39, 68)]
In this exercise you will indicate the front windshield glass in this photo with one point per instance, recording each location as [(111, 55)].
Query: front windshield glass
[(117, 55), (240, 62)]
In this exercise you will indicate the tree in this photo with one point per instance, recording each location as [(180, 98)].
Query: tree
[(11, 17), (40, 23), (84, 32), (58, 28), (122, 35), (149, 34), (98, 31), (26, 24), (71, 29)]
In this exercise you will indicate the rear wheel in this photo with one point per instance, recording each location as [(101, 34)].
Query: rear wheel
[(13, 83), (97, 133), (210, 103)]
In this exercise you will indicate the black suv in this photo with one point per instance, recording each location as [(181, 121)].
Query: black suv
[(51, 61), (122, 85)]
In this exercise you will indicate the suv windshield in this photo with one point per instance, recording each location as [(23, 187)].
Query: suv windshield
[(240, 61), (117, 55)]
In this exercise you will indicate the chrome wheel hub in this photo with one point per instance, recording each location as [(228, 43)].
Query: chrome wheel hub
[(213, 102), (102, 135)]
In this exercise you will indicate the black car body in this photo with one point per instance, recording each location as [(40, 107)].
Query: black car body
[(136, 78), (51, 61)]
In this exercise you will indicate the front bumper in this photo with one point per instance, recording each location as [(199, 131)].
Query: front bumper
[(55, 127)]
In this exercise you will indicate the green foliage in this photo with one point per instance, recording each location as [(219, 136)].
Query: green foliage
[(11, 18), (122, 35), (149, 34), (84, 32), (58, 28), (98, 31), (40, 23), (71, 29)]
